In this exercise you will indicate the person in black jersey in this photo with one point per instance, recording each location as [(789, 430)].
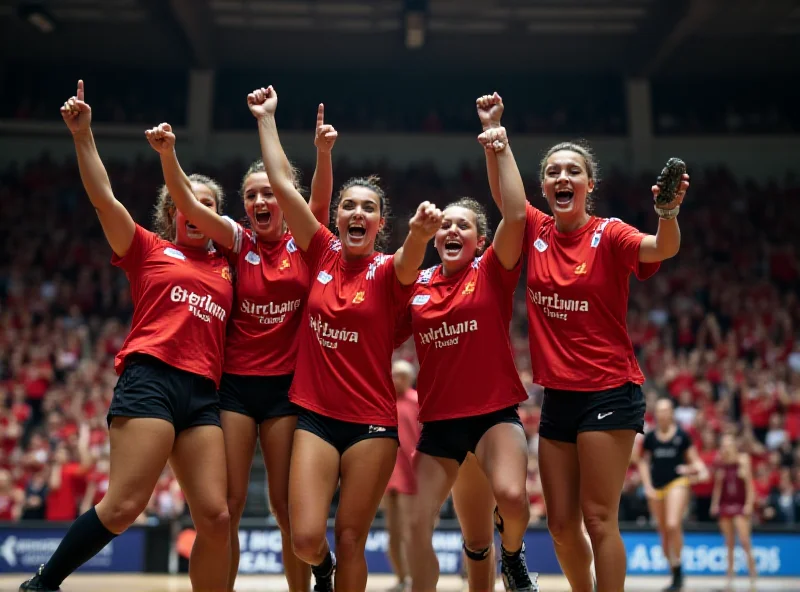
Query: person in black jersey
[(669, 464)]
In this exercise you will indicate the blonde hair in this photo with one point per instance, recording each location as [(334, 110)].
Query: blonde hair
[(164, 212)]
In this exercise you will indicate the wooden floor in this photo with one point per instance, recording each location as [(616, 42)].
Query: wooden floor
[(377, 583)]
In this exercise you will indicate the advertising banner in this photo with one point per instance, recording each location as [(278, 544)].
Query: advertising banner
[(24, 550)]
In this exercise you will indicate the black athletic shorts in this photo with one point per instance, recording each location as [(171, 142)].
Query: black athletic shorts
[(342, 434), (455, 438), (149, 387), (565, 414), (259, 397)]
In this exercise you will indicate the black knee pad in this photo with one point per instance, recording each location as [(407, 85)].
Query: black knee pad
[(477, 555)]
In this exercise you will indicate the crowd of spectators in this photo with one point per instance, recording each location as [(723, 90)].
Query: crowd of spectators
[(716, 328)]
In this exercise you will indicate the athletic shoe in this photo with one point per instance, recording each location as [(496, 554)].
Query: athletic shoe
[(515, 572), (35, 584), (325, 583)]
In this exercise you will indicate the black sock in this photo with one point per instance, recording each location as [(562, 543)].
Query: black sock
[(508, 553), (324, 569), (85, 538)]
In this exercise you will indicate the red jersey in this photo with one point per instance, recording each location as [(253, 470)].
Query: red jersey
[(182, 298), (270, 294), (578, 286), (344, 363), (461, 332), (62, 503)]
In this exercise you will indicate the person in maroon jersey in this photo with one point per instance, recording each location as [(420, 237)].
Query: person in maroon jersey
[(165, 405), (271, 284), (732, 500), (577, 297), (460, 315), (343, 381)]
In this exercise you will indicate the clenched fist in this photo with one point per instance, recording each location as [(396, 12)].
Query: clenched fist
[(262, 101), (161, 138)]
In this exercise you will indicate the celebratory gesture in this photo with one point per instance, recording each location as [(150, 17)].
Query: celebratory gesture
[(325, 136), (490, 110), (76, 112), (161, 138), (426, 221)]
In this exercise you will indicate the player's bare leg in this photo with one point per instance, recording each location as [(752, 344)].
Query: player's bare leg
[(604, 459), (561, 485)]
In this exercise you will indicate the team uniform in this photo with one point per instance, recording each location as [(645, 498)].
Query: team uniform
[(461, 323), (577, 300), (665, 457), (343, 378), (261, 346), (733, 494), (171, 361)]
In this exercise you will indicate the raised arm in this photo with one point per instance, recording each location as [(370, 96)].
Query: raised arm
[(421, 229), (490, 110), (666, 242), (118, 226), (511, 230), (322, 182), (262, 103), (211, 224)]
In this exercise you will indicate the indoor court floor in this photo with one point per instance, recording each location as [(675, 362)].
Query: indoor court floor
[(377, 583)]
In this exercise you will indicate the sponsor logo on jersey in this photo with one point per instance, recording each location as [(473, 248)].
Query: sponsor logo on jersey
[(540, 245), (420, 299), (359, 297), (225, 272), (174, 253), (271, 313), (555, 307), (285, 264), (330, 337), (425, 275), (203, 307), (291, 246), (469, 288), (253, 258), (581, 269), (323, 277), (448, 334)]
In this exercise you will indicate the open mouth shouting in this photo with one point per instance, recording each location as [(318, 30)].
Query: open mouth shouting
[(193, 232), (564, 198), (452, 246), (356, 232), (262, 218)]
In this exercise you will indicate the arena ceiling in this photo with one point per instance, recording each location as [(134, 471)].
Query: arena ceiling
[(631, 37)]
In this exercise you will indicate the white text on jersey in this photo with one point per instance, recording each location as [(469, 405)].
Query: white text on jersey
[(198, 305)]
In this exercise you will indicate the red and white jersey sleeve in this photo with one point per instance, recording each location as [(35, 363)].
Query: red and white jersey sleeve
[(577, 299), (182, 300), (461, 332), (347, 336), (270, 296)]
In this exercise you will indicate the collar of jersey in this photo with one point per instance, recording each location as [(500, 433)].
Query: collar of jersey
[(578, 232)]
